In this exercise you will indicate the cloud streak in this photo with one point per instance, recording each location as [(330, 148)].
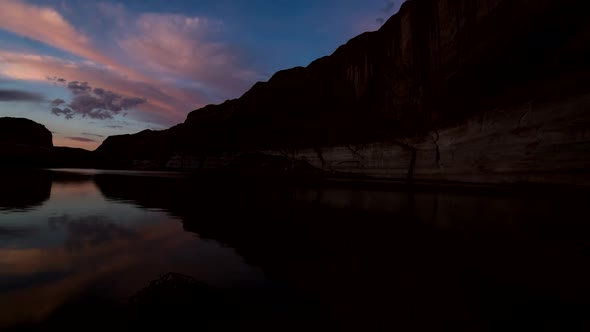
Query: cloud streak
[(80, 139), (46, 25), (167, 107), (18, 95), (155, 39), (162, 66), (93, 135)]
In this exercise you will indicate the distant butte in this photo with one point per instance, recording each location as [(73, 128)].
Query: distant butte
[(20, 131), (25, 143)]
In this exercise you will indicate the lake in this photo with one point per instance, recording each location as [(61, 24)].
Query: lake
[(96, 250)]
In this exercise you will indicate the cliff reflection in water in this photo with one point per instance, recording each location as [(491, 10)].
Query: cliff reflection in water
[(431, 259), (79, 255), (22, 191), (331, 257)]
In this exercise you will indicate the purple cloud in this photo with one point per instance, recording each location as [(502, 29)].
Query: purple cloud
[(56, 102), (94, 103), (77, 87), (80, 139), (68, 113), (90, 134)]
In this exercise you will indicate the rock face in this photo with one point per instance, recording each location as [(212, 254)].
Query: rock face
[(482, 90), (19, 131), (530, 142), (25, 143)]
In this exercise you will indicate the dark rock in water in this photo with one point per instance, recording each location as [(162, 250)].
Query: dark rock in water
[(174, 298), (176, 301), (482, 91), (19, 131)]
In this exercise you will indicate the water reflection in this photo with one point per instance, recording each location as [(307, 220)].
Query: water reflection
[(89, 231), (333, 258), (382, 260), (78, 244), (22, 191)]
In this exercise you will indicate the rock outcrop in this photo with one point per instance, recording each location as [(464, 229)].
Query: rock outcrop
[(25, 143), (481, 91), (24, 132)]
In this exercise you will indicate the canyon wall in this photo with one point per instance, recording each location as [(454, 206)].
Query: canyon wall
[(546, 142), (481, 90)]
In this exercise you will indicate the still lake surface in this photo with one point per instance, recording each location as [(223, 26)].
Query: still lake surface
[(78, 246)]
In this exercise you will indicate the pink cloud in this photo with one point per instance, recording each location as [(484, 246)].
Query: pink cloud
[(60, 140), (42, 24), (46, 25), (189, 41), (174, 62), (82, 139), (169, 106)]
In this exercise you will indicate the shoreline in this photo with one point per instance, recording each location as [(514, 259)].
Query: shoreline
[(335, 181)]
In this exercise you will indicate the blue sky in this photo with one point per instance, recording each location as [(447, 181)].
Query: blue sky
[(90, 69)]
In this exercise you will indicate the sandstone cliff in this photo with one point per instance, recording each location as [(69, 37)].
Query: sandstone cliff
[(19, 131), (25, 143), (481, 90)]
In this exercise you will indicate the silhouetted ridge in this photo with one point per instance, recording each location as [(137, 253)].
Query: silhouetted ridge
[(25, 143), (20, 131)]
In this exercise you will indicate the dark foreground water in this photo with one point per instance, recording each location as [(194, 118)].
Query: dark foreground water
[(85, 250)]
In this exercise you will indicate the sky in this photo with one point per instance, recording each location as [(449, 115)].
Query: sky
[(90, 69)]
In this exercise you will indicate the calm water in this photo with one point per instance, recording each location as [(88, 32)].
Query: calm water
[(78, 247)]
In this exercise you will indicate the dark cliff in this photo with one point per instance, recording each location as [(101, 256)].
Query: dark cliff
[(19, 131), (435, 65), (25, 143)]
